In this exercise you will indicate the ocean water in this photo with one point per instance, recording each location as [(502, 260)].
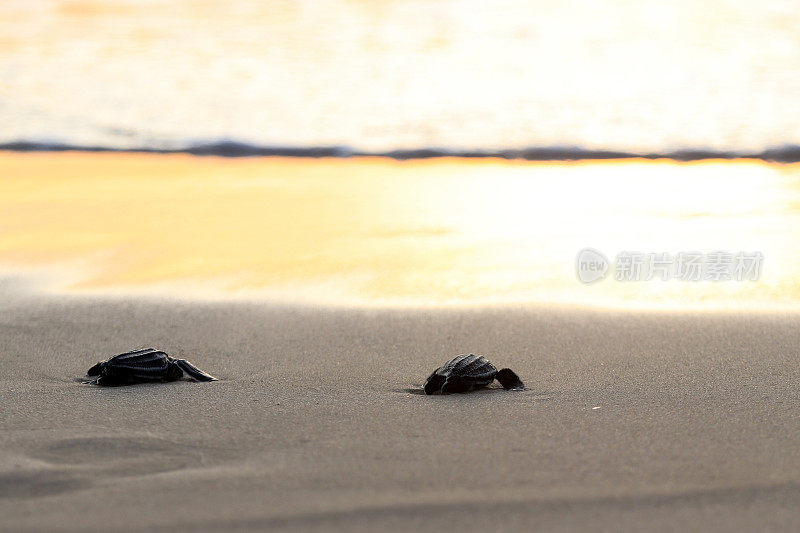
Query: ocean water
[(379, 75), (377, 231)]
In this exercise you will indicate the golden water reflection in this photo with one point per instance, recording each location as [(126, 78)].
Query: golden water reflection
[(377, 231)]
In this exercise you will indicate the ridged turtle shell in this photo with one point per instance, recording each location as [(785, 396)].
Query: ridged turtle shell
[(465, 373)]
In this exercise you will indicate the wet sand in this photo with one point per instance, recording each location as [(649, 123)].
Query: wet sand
[(380, 232), (660, 420)]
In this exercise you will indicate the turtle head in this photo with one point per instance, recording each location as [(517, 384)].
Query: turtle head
[(174, 371), (509, 380), (95, 370)]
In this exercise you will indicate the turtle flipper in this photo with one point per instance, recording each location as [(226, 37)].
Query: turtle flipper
[(192, 371), (509, 380)]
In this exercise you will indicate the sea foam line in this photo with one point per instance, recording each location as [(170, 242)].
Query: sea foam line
[(789, 153)]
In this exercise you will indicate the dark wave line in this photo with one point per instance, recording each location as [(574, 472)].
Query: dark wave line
[(783, 154)]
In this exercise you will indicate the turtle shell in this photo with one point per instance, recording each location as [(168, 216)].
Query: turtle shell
[(463, 373), (138, 366)]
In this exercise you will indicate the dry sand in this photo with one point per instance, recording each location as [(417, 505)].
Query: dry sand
[(631, 421)]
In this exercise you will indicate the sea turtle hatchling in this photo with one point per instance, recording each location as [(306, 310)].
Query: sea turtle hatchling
[(144, 366), (466, 373)]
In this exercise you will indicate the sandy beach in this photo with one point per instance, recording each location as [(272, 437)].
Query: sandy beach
[(320, 203), (322, 293), (677, 421)]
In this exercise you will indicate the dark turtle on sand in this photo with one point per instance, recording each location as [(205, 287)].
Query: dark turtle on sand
[(144, 366), (466, 373)]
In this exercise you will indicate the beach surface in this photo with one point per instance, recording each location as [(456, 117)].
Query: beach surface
[(673, 420), (323, 292)]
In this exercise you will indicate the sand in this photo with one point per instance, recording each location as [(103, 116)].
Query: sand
[(323, 292), (662, 421)]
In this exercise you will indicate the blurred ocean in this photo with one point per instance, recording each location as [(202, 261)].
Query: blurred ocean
[(381, 75)]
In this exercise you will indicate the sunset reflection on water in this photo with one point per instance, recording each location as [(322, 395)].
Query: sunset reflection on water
[(374, 231)]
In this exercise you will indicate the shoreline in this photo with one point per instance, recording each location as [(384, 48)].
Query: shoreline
[(37, 283), (785, 154), (380, 232)]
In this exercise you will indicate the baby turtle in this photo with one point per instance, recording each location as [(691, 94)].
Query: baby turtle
[(466, 373), (144, 366)]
